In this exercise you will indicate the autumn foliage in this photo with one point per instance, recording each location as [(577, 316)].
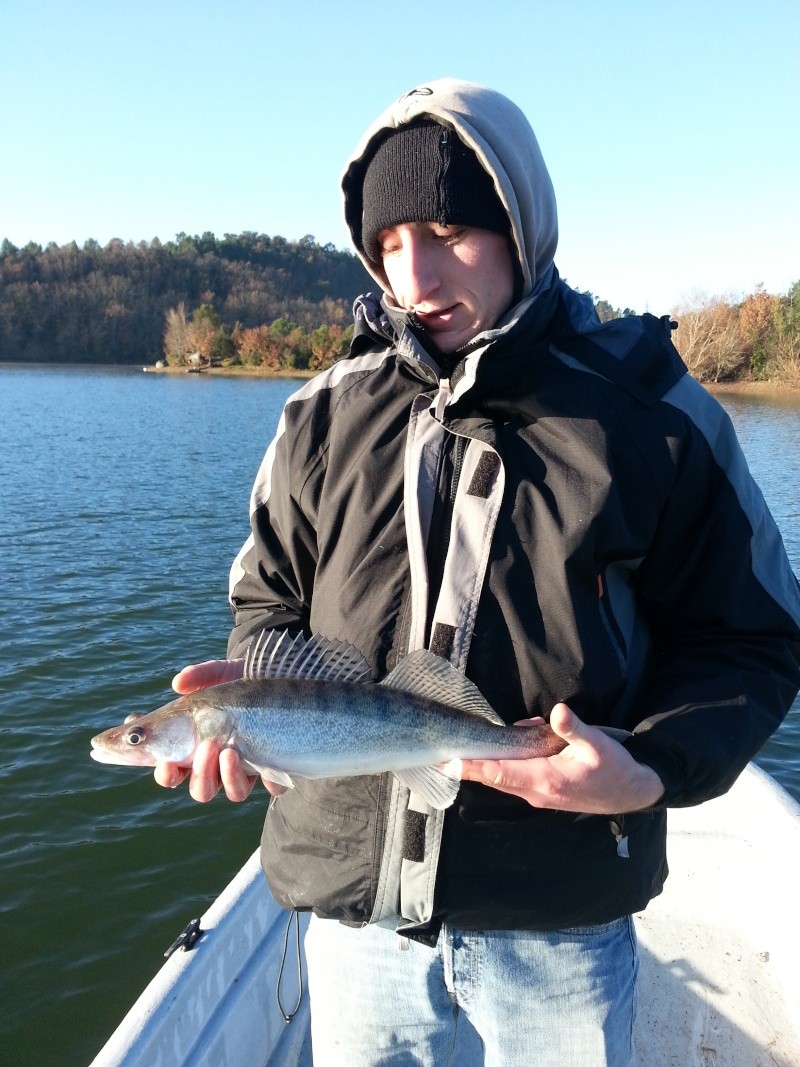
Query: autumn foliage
[(753, 339), (282, 346)]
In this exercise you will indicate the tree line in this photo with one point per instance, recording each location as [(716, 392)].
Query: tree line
[(108, 304)]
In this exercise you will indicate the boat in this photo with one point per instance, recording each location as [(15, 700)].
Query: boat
[(720, 952)]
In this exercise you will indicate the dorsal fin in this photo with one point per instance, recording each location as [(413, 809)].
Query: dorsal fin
[(276, 654), (427, 675)]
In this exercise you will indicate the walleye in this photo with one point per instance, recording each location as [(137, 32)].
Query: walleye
[(309, 708)]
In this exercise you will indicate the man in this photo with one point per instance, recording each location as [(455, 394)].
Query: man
[(556, 508)]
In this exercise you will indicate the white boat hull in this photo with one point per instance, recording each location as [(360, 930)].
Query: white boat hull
[(720, 949)]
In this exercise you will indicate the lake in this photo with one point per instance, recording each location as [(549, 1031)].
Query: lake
[(123, 500)]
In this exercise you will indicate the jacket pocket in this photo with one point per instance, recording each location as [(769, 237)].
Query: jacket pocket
[(319, 848)]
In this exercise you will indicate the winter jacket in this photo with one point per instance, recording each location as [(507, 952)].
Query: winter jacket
[(592, 535)]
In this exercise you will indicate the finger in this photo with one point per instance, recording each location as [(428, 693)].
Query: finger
[(507, 776), (202, 675), (273, 788), (170, 775), (488, 772), (237, 784), (204, 780), (536, 721)]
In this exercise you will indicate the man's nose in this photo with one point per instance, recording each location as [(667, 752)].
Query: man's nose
[(421, 275)]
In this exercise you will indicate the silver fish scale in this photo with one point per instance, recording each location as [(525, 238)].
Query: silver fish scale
[(319, 729)]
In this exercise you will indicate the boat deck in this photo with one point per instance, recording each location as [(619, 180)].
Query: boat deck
[(720, 948)]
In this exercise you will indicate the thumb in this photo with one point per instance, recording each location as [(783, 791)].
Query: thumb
[(202, 675), (566, 724)]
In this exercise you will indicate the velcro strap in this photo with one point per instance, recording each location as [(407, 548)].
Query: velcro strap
[(442, 640), (414, 836)]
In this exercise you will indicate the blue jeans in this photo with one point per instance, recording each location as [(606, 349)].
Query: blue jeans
[(516, 998)]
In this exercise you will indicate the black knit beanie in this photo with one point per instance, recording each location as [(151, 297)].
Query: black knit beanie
[(423, 172)]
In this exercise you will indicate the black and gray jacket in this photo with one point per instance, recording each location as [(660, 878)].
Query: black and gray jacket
[(567, 517)]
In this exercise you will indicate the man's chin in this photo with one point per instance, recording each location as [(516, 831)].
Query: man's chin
[(449, 341), (446, 345)]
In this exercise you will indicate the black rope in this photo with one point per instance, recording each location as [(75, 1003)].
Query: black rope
[(288, 1016)]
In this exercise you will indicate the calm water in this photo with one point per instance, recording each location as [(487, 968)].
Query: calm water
[(123, 499)]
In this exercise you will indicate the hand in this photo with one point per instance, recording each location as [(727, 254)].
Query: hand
[(593, 774), (213, 767)]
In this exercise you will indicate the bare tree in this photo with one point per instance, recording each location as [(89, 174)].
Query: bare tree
[(176, 336), (709, 340)]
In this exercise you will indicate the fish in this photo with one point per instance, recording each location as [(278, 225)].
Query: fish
[(309, 708)]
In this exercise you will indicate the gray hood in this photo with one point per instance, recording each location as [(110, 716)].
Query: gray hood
[(502, 138)]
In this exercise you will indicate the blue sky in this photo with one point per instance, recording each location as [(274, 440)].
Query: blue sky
[(669, 128)]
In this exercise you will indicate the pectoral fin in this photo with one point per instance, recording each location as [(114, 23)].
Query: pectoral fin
[(270, 773)]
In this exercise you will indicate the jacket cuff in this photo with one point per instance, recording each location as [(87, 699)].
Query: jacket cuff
[(667, 764)]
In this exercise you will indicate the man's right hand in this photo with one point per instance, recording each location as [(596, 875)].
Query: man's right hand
[(213, 767)]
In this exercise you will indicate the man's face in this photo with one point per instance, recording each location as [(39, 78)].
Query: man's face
[(457, 280)]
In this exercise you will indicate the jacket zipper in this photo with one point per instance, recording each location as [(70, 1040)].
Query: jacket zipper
[(440, 402), (459, 451), (446, 493)]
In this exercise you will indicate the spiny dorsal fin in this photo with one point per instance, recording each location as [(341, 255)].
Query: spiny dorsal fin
[(276, 654), (427, 675)]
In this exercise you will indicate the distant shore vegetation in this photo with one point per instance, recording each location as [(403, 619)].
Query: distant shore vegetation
[(203, 341), (93, 304), (272, 306), (755, 339)]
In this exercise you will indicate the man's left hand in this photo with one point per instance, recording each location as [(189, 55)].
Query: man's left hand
[(593, 774)]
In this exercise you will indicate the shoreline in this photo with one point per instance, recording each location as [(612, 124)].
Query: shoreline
[(736, 388), (760, 390), (232, 372), (756, 390)]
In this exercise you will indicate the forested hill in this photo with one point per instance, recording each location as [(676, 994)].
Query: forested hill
[(108, 305)]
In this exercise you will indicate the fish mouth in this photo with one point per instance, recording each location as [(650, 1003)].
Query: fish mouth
[(102, 755)]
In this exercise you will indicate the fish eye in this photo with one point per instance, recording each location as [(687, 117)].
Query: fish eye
[(135, 737)]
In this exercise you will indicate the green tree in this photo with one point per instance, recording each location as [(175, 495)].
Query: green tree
[(282, 327)]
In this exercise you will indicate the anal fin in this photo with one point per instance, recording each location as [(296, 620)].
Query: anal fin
[(437, 786)]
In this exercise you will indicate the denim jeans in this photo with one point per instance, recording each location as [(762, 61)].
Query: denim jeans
[(516, 998)]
